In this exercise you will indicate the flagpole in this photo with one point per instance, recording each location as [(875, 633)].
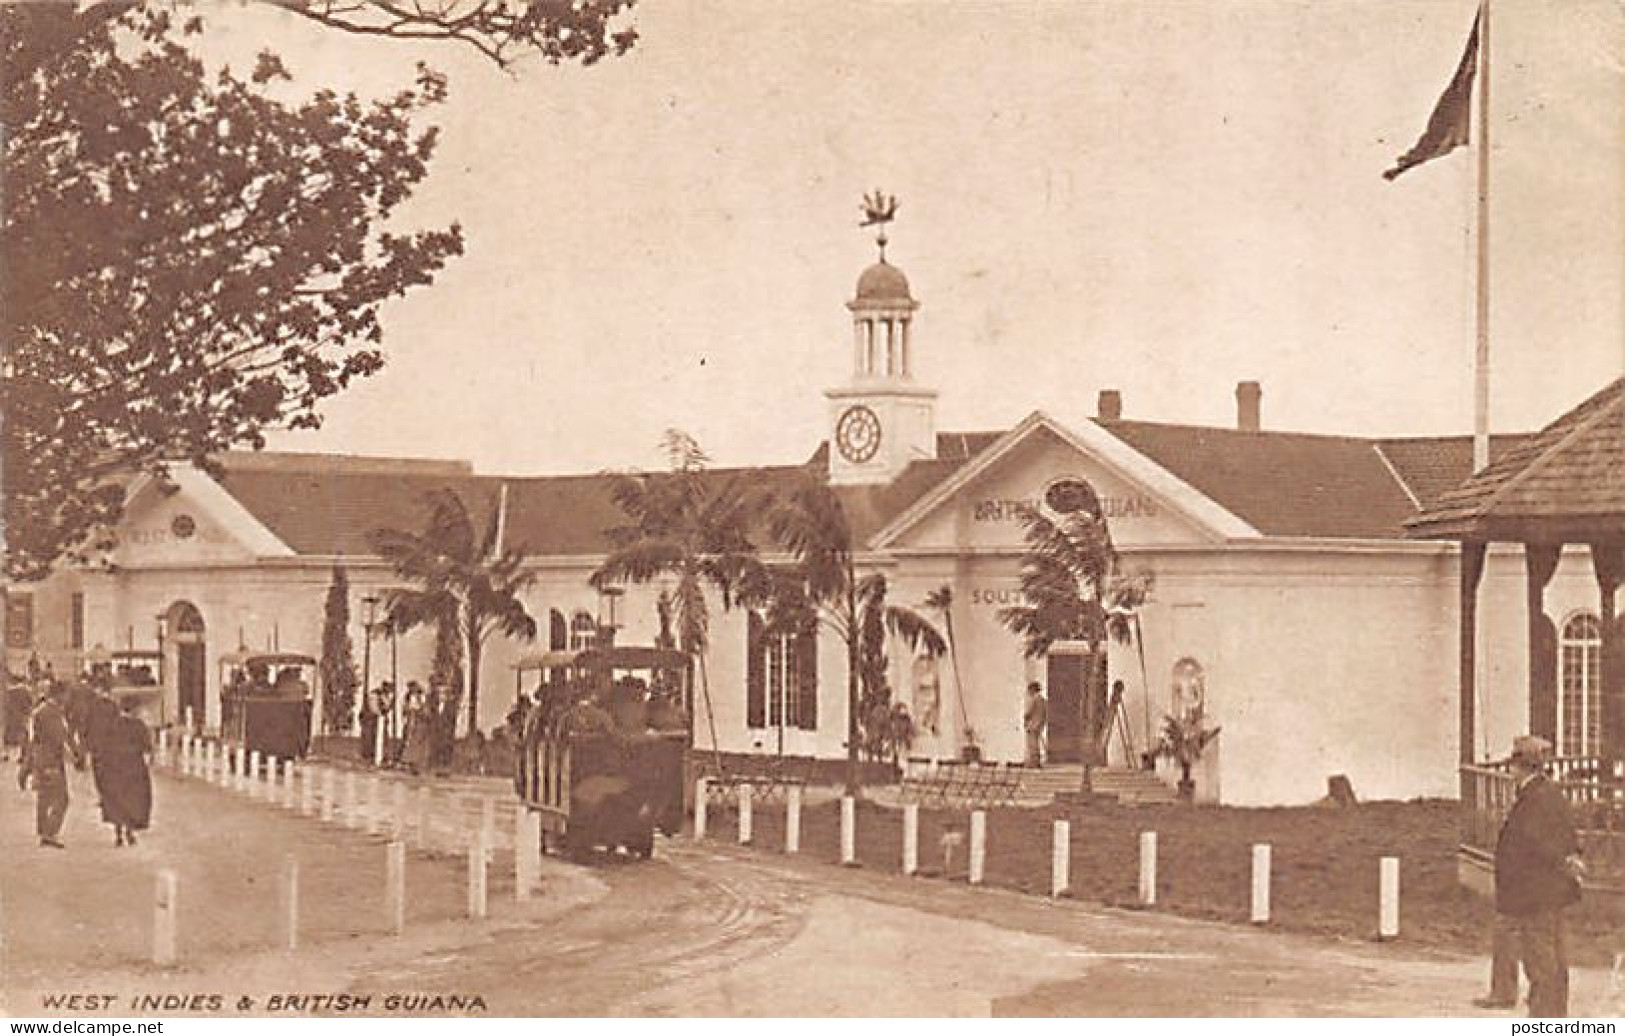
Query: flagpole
[(1481, 350)]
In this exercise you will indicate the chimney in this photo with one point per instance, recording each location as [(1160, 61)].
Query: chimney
[(1249, 394), (1110, 407)]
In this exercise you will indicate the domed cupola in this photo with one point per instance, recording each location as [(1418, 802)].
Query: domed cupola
[(882, 420)]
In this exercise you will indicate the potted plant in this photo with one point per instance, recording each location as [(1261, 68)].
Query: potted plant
[(970, 751), (1185, 736)]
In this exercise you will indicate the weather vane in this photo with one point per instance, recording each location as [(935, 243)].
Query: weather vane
[(878, 210)]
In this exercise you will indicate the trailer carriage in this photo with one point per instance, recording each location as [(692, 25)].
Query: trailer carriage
[(602, 745)]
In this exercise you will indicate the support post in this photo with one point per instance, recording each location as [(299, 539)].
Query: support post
[(476, 877), (488, 827), (1060, 864), (289, 897), (1388, 908), (911, 839), (1472, 569), (395, 886), (164, 919), (1148, 868), (978, 846), (746, 801), (700, 788), (330, 792), (1540, 563), (1261, 884), (792, 820), (307, 791), (849, 831)]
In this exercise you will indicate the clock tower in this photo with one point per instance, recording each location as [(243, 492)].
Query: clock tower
[(881, 420)]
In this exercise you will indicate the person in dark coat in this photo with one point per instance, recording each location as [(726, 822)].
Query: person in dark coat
[(50, 744), (1537, 877), (121, 762), (16, 718), (101, 716)]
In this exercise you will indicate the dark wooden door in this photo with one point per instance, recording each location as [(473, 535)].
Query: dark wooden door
[(1065, 690), (189, 682)]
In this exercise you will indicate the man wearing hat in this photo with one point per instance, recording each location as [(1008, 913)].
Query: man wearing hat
[(1537, 872)]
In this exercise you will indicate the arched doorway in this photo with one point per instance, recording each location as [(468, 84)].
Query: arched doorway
[(186, 632)]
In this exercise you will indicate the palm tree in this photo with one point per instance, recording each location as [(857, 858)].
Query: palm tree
[(942, 600), (689, 525), (464, 584), (811, 525), (1073, 588)]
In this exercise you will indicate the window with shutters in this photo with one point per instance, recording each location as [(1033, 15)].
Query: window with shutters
[(583, 631), (76, 619), (781, 678), (19, 620)]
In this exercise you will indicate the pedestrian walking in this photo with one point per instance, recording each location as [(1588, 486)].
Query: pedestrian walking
[(50, 744), (101, 716), (1034, 718), (123, 761), (1537, 878)]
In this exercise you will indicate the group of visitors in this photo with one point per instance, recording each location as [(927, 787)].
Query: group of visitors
[(53, 723), (422, 739)]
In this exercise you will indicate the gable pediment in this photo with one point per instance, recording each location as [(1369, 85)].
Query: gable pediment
[(982, 509), (189, 520)]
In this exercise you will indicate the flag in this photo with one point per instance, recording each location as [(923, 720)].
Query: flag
[(1448, 125)]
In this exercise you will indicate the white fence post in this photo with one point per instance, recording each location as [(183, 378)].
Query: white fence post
[(911, 839), (290, 903), (700, 788), (488, 827), (1060, 864), (1388, 909), (1261, 884), (1148, 868), (330, 792), (395, 886), (164, 919), (792, 820), (476, 876), (348, 803), (397, 811), (978, 845), (747, 798), (526, 844), (423, 819), (849, 831)]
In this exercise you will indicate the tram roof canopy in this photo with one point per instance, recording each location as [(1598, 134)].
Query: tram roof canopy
[(629, 657), (270, 658), (1565, 484)]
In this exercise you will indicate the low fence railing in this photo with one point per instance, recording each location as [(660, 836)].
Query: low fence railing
[(1596, 797)]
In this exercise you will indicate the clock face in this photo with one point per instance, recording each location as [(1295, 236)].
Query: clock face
[(857, 434)]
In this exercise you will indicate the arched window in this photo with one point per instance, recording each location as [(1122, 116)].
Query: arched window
[(1579, 726), (583, 631)]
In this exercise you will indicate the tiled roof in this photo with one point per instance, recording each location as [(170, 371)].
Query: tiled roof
[(328, 505), (1565, 482), (1280, 483), (1432, 466)]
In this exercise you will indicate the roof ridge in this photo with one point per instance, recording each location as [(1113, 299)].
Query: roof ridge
[(1376, 447)]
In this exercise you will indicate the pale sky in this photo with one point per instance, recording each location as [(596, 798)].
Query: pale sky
[(1158, 197)]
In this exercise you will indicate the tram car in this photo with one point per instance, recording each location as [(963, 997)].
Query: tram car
[(601, 747), (133, 676), (266, 705)]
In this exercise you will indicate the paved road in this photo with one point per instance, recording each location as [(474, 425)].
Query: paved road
[(709, 930), (703, 930)]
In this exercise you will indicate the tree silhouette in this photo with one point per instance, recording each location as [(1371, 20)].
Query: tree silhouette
[(464, 584)]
